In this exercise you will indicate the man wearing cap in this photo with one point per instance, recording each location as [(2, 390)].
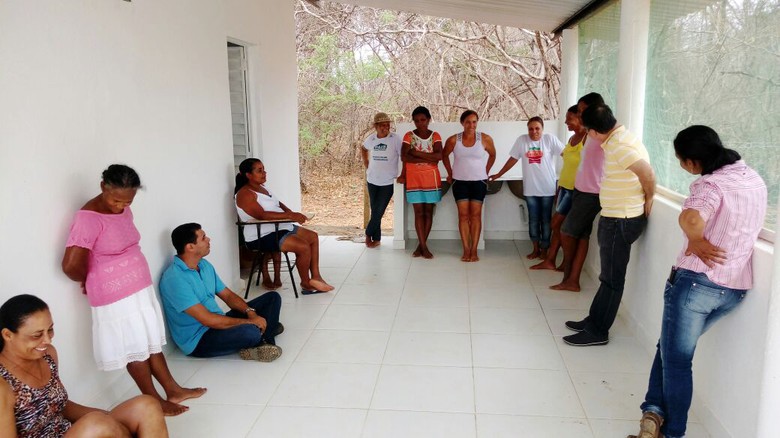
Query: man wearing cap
[(381, 155)]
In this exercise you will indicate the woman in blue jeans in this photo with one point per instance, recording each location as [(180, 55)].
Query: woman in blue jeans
[(720, 220), (536, 152)]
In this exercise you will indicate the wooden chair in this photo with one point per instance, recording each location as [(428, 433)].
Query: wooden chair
[(257, 260)]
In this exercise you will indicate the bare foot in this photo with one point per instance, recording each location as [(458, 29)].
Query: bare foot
[(268, 285), (185, 394), (466, 257), (546, 264), (559, 268), (572, 287), (417, 252), (427, 254), (172, 409), (277, 284), (373, 244), (474, 258), (318, 285), (533, 255)]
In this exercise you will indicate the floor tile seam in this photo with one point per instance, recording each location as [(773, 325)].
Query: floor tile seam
[(625, 373), (387, 344), (534, 415), (289, 367), (559, 346)]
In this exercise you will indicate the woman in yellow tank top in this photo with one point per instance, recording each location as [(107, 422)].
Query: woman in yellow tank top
[(571, 161)]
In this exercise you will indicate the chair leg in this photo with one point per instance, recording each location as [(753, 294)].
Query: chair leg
[(292, 277), (256, 262)]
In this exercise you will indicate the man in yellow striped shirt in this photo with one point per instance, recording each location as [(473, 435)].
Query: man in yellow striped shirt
[(626, 200)]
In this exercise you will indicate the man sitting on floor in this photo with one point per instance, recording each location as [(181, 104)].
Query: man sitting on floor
[(198, 325)]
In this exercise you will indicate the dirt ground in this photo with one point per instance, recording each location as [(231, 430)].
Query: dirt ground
[(337, 201)]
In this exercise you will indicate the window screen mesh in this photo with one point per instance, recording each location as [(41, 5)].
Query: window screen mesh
[(715, 64), (598, 53)]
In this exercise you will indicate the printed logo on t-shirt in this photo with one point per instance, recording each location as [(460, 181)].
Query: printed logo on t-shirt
[(380, 147), (534, 155)]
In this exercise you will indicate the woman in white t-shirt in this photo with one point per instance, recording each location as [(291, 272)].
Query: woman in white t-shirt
[(536, 151), (381, 155)]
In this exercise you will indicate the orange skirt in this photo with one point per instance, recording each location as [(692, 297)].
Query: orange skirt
[(423, 183)]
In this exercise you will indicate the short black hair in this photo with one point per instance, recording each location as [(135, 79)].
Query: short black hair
[(422, 110), (467, 113), (599, 118), (573, 109), (591, 99), (183, 235)]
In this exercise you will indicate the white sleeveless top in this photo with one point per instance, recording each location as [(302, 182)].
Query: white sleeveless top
[(268, 203), (470, 162)]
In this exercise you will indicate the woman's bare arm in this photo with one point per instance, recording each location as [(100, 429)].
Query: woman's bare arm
[(75, 263)]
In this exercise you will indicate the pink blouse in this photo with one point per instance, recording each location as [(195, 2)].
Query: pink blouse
[(117, 268)]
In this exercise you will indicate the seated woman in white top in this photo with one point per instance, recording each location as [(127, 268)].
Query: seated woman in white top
[(255, 202)]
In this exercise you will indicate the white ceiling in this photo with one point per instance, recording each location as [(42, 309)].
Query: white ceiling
[(543, 15)]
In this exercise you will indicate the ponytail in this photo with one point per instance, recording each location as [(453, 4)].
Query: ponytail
[(702, 144), (244, 168)]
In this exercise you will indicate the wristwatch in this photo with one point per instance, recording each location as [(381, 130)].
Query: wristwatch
[(249, 309)]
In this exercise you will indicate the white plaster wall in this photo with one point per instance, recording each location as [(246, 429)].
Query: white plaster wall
[(729, 358), (267, 29), (86, 83)]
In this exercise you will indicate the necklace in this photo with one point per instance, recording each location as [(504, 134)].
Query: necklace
[(17, 366)]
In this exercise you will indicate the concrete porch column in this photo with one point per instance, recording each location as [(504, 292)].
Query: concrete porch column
[(632, 64)]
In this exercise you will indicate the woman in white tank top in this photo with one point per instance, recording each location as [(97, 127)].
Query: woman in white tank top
[(474, 155), (255, 202)]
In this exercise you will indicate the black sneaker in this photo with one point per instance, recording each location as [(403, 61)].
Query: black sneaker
[(576, 326), (584, 339), (279, 329)]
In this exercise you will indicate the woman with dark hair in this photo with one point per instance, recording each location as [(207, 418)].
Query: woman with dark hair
[(572, 154), (474, 155), (421, 153), (720, 221), (255, 202), (103, 254), (34, 403), (536, 151)]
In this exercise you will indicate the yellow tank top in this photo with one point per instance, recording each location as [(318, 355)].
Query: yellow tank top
[(571, 161)]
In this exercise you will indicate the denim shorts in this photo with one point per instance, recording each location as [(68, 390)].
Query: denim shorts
[(564, 201), (473, 191), (579, 221), (272, 242)]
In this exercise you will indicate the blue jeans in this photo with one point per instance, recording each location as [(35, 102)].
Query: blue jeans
[(219, 342), (692, 303), (378, 197), (615, 237), (539, 217)]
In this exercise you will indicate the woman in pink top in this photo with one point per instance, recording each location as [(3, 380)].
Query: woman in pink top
[(720, 221), (103, 254)]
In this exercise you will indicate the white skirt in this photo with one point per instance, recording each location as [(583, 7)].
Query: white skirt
[(128, 330)]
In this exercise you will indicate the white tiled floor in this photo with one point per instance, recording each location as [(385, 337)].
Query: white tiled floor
[(425, 348)]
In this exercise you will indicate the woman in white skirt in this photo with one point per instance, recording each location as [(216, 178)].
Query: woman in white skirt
[(103, 254)]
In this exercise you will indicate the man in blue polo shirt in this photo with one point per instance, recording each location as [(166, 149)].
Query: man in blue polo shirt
[(198, 325)]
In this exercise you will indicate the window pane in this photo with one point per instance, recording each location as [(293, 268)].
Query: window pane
[(598, 54), (715, 64)]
